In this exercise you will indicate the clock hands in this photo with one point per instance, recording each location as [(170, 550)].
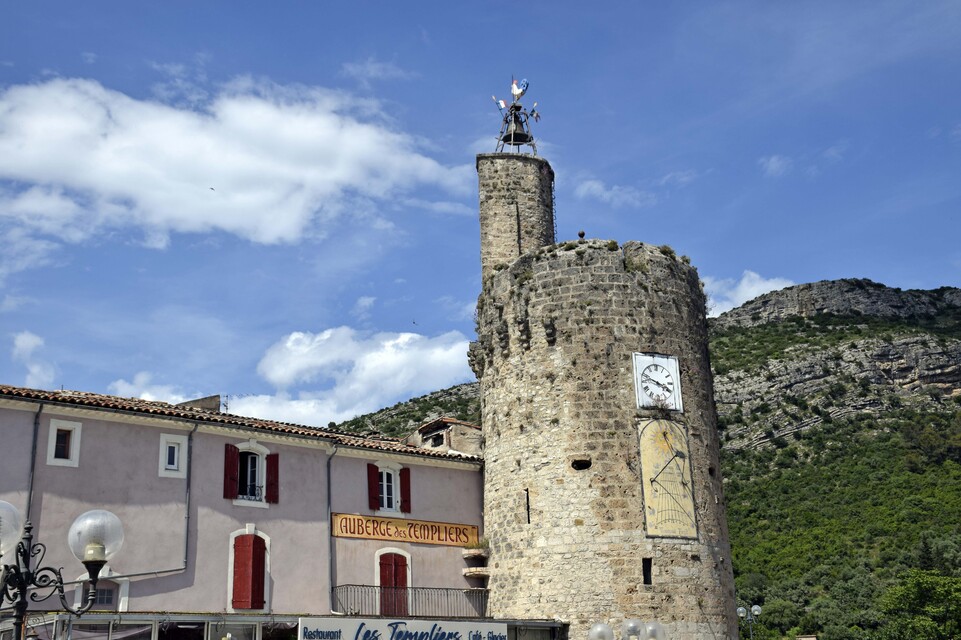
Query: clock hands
[(648, 378)]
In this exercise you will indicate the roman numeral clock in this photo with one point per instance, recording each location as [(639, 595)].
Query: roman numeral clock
[(657, 382)]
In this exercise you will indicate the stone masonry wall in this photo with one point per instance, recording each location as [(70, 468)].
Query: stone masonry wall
[(556, 333), (516, 207)]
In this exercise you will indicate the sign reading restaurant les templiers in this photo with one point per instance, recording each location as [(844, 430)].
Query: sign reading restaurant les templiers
[(387, 629), (347, 525)]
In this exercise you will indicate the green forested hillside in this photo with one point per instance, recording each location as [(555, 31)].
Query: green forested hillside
[(828, 525)]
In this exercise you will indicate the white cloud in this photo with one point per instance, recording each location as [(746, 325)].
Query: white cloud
[(143, 387), (271, 164), (372, 69), (677, 178), (956, 132), (182, 85), (89, 57), (457, 310), (774, 166), (40, 373), (362, 307), (367, 371), (11, 303), (835, 153), (454, 208), (616, 196), (724, 294)]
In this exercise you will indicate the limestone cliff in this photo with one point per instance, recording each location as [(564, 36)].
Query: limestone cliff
[(806, 355), (839, 297)]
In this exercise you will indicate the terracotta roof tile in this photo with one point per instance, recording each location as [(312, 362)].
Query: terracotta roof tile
[(158, 408)]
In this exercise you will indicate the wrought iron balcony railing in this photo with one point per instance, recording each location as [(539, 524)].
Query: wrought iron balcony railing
[(252, 492), (414, 602)]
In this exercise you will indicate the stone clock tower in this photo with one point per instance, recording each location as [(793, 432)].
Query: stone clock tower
[(603, 497)]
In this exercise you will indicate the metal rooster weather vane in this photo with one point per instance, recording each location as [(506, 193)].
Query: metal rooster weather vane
[(515, 128)]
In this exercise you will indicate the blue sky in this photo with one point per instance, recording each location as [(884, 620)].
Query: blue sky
[(277, 201)]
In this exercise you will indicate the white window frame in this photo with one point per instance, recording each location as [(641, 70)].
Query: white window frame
[(252, 446), (249, 528), (180, 441), (391, 469), (56, 425)]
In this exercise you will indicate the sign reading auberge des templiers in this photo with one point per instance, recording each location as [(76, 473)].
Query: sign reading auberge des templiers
[(348, 525)]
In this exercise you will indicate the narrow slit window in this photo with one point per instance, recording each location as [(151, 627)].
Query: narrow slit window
[(648, 566)]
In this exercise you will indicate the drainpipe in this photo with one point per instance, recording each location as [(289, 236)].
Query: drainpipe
[(33, 461), (330, 537), (183, 565)]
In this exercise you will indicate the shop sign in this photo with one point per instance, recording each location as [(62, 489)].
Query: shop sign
[(390, 629), (347, 525)]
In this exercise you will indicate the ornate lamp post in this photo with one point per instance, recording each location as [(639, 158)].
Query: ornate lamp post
[(94, 538), (629, 629), (750, 616)]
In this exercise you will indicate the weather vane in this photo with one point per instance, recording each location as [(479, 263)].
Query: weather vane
[(515, 130)]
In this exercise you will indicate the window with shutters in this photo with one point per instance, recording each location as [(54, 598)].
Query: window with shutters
[(249, 569), (392, 579), (251, 474), (388, 487)]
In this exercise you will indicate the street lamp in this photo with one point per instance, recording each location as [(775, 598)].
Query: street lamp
[(94, 538), (750, 616), (629, 629)]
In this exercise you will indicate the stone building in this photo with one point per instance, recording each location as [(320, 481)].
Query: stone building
[(602, 494)]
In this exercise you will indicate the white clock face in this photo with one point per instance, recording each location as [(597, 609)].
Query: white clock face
[(657, 382)]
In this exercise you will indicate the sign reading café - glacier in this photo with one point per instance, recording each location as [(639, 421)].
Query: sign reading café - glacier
[(390, 629)]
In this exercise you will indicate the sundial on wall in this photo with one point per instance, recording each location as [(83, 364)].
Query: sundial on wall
[(666, 478)]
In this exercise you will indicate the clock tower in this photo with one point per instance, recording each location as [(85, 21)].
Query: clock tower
[(603, 496)]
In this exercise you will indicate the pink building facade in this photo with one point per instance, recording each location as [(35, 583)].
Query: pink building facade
[(238, 527)]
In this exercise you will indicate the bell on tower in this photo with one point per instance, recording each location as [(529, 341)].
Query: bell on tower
[(515, 129)]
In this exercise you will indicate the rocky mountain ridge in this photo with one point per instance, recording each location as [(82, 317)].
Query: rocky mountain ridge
[(804, 356), (850, 296)]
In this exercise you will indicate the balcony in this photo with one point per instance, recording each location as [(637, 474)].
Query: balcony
[(410, 602)]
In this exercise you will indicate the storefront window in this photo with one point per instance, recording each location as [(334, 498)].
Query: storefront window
[(279, 631), (84, 631), (131, 631), (171, 630), (233, 632)]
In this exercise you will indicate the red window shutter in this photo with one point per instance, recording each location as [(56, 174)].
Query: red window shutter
[(231, 471), (273, 478), (250, 571), (373, 487), (243, 569), (405, 490), (258, 573)]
